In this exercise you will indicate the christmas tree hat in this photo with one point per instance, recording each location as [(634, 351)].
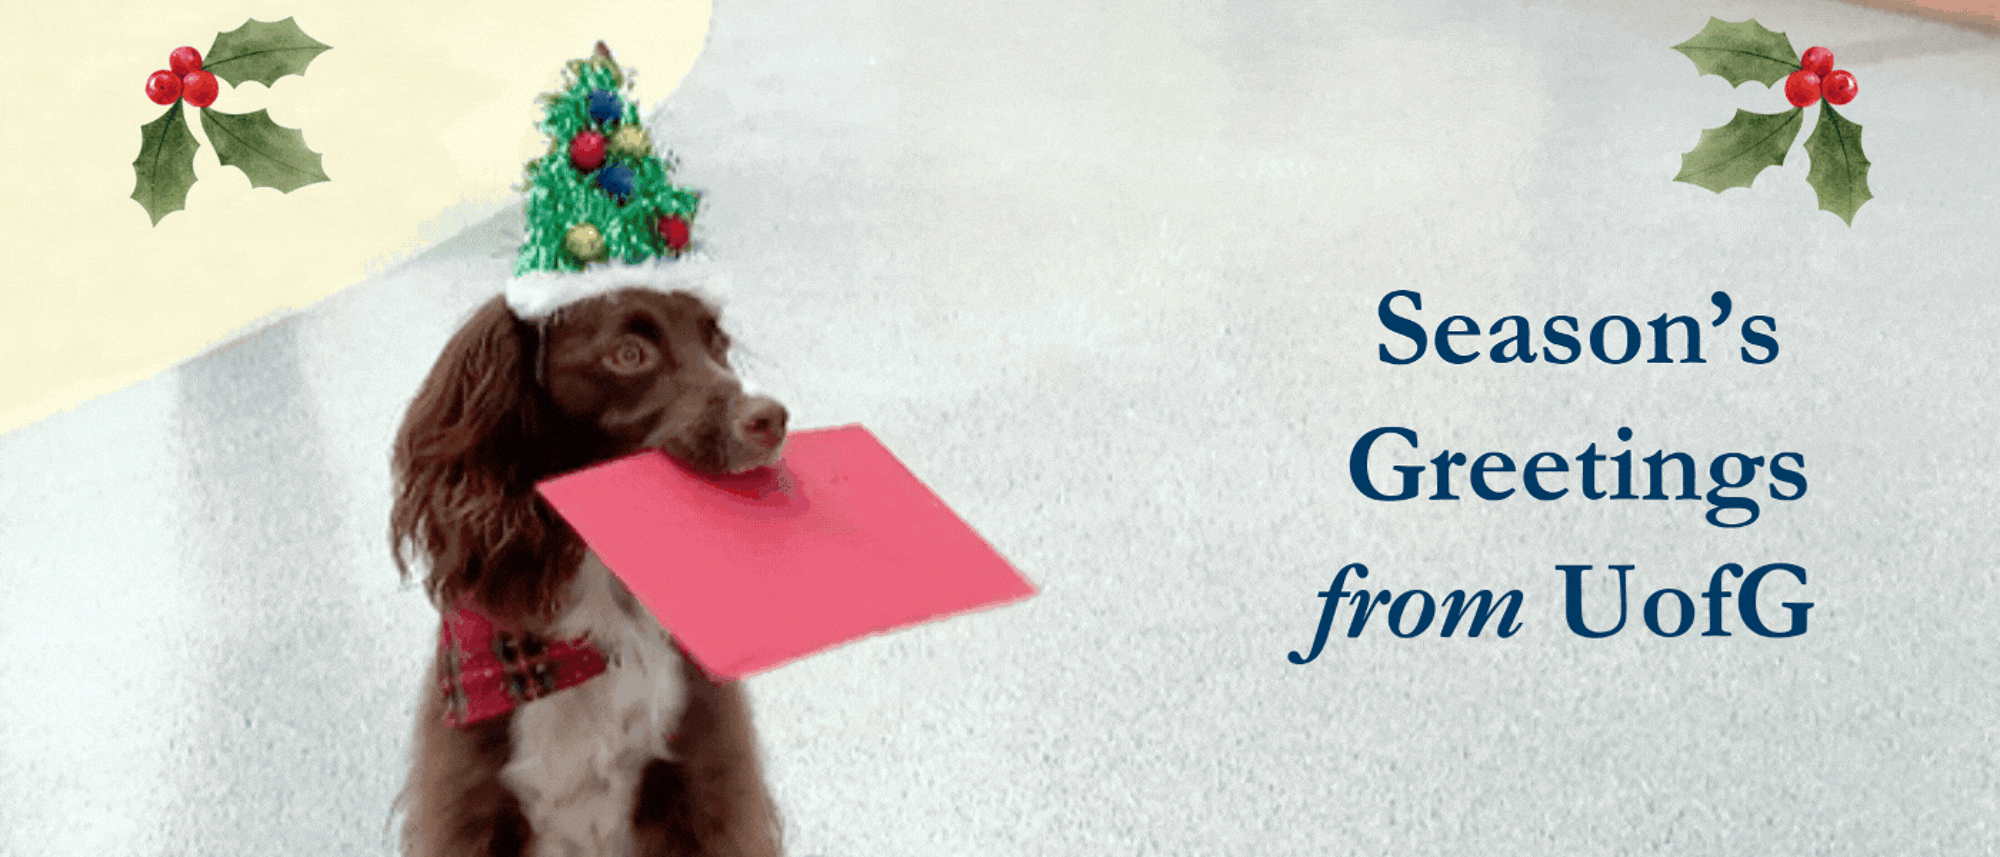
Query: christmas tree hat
[(601, 213)]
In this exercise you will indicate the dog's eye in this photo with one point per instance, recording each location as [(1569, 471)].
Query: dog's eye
[(632, 355)]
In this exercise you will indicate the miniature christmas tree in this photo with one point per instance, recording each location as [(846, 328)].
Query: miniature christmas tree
[(601, 193)]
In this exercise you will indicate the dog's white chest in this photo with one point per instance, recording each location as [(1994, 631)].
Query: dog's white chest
[(578, 754)]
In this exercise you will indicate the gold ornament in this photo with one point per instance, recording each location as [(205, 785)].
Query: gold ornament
[(630, 141), (584, 242)]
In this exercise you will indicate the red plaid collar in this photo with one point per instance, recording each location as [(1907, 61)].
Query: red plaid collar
[(486, 670)]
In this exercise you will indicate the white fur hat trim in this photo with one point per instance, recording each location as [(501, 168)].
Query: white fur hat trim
[(537, 293)]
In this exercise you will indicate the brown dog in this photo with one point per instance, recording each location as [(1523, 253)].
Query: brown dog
[(649, 757)]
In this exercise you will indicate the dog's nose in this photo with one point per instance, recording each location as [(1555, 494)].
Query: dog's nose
[(764, 425)]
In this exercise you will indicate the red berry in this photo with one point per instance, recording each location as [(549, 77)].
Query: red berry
[(199, 87), (674, 231), (1802, 88), (184, 61), (1839, 87), (164, 87), (1819, 61), (586, 150)]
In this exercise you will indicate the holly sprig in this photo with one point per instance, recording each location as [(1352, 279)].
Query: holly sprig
[(1733, 155), (269, 154)]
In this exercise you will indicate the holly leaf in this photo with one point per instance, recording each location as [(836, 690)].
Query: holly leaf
[(1741, 52), (1839, 170), (270, 154), (165, 165), (262, 52), (1733, 155)]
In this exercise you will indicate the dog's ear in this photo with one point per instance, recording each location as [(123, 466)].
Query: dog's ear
[(475, 439)]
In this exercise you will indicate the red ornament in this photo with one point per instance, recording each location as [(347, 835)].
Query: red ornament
[(1802, 88), (1819, 61), (1839, 87), (199, 87), (586, 150), (674, 231), (164, 87), (184, 61)]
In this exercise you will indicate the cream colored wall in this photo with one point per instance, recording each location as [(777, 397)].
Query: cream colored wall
[(423, 112)]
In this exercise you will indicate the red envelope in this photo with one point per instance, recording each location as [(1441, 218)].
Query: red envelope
[(837, 542)]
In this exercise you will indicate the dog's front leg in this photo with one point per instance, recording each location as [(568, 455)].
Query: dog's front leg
[(713, 796), (454, 802)]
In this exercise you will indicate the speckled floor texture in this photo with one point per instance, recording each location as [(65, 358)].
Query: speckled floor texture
[(1107, 276)]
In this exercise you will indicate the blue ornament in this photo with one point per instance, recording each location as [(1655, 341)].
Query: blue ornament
[(616, 180), (605, 106)]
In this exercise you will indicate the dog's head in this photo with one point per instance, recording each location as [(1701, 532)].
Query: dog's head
[(512, 402), (651, 370)]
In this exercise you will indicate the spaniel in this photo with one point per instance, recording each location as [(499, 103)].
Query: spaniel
[(558, 717)]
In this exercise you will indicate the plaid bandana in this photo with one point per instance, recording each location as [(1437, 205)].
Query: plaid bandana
[(488, 671)]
